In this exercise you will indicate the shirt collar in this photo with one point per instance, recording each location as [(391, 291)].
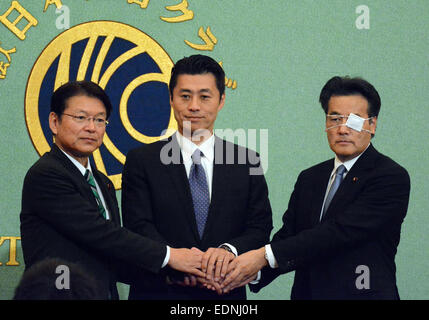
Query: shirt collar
[(349, 163), (188, 147), (81, 168)]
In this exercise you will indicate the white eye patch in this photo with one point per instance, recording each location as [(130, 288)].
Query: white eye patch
[(355, 122)]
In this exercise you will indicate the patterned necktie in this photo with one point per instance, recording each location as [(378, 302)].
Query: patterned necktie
[(199, 191), (90, 179), (334, 187)]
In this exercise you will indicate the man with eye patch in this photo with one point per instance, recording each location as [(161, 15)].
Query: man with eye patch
[(69, 208), (342, 226)]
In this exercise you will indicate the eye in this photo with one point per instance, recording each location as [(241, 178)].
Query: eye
[(204, 97), (99, 120), (185, 96), (80, 118)]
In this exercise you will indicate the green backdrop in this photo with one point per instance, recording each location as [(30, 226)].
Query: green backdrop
[(280, 53)]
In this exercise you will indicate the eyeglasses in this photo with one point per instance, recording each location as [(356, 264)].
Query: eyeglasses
[(338, 119), (99, 122), (335, 119)]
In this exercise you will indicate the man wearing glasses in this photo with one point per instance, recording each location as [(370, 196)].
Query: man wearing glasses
[(69, 209), (342, 227)]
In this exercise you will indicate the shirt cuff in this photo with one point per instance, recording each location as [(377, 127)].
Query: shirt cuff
[(167, 257), (270, 257), (233, 249), (258, 278)]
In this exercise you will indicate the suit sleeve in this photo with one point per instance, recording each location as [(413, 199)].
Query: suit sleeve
[(258, 223), (287, 230), (52, 194), (382, 202), (137, 213)]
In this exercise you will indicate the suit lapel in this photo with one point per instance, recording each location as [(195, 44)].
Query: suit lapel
[(219, 182), (181, 184), (352, 182), (75, 174), (83, 185)]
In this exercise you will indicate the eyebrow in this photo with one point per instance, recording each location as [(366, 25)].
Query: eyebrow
[(205, 90), (98, 114), (335, 113)]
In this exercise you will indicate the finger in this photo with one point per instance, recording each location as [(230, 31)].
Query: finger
[(205, 259), (214, 258), (225, 265), (243, 282), (186, 281), (232, 277), (218, 289), (196, 272), (193, 281), (220, 263)]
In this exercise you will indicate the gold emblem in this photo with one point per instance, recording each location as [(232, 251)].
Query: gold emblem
[(60, 50)]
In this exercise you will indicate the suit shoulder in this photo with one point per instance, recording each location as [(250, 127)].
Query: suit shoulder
[(386, 165), (45, 163), (317, 168), (237, 151), (146, 150)]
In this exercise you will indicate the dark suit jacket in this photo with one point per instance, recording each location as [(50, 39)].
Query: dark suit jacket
[(360, 228), (157, 203), (60, 219)]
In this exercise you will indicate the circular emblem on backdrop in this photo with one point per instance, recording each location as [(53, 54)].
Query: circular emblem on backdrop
[(130, 66)]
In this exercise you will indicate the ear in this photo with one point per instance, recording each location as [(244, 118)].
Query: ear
[(54, 121), (373, 125), (221, 103)]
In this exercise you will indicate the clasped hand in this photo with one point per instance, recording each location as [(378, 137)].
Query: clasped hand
[(216, 269)]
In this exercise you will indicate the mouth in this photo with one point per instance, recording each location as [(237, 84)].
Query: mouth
[(90, 140), (193, 118), (343, 142)]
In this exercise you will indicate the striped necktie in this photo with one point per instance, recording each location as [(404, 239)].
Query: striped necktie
[(90, 179)]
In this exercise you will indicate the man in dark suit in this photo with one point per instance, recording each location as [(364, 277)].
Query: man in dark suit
[(195, 189), (69, 209), (342, 227)]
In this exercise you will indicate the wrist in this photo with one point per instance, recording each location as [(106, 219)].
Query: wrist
[(227, 248), (264, 257)]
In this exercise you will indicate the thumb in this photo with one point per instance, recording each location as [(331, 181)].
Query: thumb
[(196, 250)]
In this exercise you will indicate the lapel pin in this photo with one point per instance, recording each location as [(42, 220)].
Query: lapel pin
[(355, 179)]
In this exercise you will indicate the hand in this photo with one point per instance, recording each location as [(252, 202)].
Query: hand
[(211, 285), (215, 263), (186, 260), (244, 269)]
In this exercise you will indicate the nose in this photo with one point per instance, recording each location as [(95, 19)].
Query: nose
[(343, 129), (193, 104), (90, 124)]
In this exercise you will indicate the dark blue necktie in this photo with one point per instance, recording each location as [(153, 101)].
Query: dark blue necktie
[(334, 187), (199, 190)]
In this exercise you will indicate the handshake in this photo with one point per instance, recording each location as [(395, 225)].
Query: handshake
[(217, 269)]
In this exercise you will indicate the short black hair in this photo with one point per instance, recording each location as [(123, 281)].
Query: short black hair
[(78, 88), (346, 86), (198, 64), (39, 283)]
